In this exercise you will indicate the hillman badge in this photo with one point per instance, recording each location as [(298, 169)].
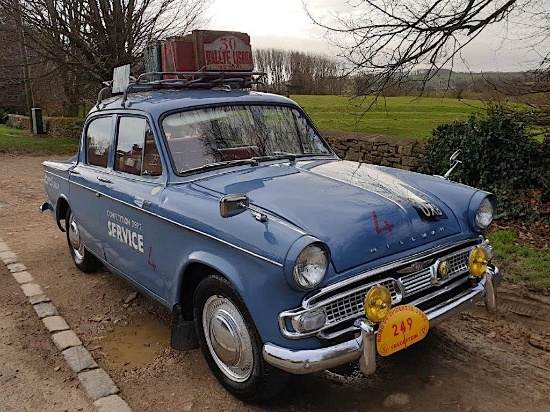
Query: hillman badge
[(443, 268)]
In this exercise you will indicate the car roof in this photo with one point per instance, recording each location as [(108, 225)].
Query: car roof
[(160, 101)]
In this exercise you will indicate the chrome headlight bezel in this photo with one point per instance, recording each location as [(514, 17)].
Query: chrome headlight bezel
[(485, 213), (310, 266), (481, 211)]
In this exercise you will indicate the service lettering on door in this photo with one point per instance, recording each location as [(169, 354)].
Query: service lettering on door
[(228, 53), (125, 230)]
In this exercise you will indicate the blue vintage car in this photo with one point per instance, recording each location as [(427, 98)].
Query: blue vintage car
[(227, 206)]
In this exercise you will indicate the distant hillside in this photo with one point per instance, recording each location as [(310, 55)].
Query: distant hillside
[(446, 78)]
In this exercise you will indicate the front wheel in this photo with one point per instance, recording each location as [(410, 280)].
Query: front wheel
[(231, 344), (82, 258)]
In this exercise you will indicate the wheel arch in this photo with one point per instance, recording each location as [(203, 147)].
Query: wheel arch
[(199, 266)]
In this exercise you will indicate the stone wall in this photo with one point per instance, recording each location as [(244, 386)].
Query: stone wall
[(65, 127), (19, 122), (377, 149)]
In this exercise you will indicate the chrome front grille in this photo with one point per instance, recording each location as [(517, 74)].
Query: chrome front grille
[(459, 263), (419, 281), (351, 305), (416, 282), (343, 302)]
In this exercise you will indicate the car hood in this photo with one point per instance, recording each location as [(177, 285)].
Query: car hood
[(361, 211)]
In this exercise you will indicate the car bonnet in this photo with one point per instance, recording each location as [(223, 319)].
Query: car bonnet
[(362, 212)]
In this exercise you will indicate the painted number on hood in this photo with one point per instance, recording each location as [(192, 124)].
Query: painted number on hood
[(430, 212)]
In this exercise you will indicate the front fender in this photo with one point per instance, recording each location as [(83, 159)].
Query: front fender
[(261, 285)]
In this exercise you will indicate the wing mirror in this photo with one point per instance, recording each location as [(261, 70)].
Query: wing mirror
[(453, 160), (231, 205)]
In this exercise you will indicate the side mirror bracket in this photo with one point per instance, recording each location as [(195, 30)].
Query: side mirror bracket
[(453, 160)]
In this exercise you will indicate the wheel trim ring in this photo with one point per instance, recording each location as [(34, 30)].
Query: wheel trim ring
[(74, 239), (219, 306)]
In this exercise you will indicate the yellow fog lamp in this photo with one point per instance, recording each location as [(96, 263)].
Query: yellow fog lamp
[(377, 303), (478, 261)]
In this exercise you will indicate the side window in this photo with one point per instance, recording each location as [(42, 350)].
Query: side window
[(98, 141), (136, 151)]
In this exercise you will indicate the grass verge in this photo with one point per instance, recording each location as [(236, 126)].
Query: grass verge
[(22, 142), (521, 263)]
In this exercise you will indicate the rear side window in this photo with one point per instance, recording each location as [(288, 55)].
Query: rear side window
[(136, 151), (98, 141)]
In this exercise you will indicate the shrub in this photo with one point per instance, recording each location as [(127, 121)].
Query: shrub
[(499, 155), (3, 116)]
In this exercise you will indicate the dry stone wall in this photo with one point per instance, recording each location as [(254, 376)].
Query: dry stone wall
[(399, 152)]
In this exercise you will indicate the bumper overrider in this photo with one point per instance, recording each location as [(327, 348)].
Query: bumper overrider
[(363, 347)]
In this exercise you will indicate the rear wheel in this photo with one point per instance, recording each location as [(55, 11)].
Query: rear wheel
[(231, 344), (82, 258)]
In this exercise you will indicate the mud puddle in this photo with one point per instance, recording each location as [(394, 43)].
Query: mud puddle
[(136, 344)]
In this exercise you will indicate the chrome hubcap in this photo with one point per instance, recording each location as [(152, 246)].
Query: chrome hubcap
[(74, 239), (227, 338)]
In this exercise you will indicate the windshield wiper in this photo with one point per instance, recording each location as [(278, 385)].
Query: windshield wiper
[(290, 156), (219, 165), (276, 156)]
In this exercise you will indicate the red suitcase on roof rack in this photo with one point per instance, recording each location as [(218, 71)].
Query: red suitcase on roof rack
[(207, 50)]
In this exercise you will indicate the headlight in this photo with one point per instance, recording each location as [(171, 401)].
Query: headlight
[(484, 214), (310, 267), (309, 321)]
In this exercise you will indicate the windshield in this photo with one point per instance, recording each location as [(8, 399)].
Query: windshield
[(211, 136)]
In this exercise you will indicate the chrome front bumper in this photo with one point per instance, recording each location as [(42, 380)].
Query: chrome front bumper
[(363, 348)]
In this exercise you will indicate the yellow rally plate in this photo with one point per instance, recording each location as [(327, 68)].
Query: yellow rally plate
[(403, 326)]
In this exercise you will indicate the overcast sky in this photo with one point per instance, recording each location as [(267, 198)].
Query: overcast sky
[(284, 24)]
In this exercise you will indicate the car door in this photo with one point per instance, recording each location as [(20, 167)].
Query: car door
[(132, 241), (89, 181)]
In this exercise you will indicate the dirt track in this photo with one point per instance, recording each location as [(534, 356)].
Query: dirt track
[(476, 362)]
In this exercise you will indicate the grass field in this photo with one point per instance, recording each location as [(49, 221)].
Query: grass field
[(392, 116), (15, 141)]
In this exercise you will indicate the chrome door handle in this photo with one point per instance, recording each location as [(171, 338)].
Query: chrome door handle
[(104, 180)]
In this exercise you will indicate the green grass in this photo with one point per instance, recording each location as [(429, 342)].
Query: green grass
[(393, 116), (521, 264), (22, 142)]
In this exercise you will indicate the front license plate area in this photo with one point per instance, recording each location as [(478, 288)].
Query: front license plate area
[(404, 326)]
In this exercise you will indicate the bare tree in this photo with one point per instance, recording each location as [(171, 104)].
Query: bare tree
[(307, 73), (389, 38), (86, 39)]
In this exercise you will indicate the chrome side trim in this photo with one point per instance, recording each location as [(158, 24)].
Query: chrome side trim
[(185, 227), (54, 167), (313, 360)]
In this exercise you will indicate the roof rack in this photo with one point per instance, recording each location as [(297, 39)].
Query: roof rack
[(185, 80)]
